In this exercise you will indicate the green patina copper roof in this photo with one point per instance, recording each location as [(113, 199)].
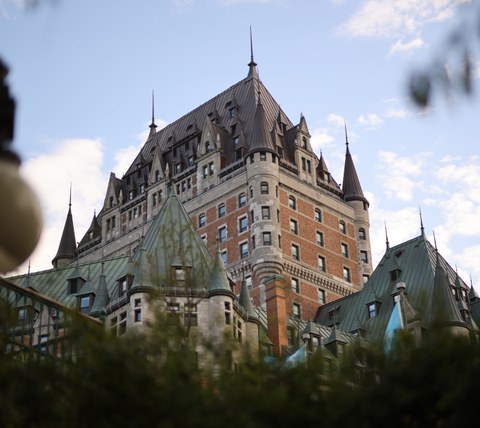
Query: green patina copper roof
[(219, 280), (245, 301), (428, 279)]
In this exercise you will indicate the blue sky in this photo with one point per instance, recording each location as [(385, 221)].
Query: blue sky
[(83, 72)]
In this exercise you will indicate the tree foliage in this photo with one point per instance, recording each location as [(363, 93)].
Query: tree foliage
[(453, 70), (152, 380)]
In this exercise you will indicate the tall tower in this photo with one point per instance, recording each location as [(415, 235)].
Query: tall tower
[(353, 196)]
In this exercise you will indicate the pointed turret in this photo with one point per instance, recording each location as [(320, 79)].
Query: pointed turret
[(261, 136), (101, 298), (93, 235), (68, 243), (352, 190), (245, 302), (219, 283)]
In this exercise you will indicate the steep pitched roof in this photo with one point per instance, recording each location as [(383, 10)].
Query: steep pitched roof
[(171, 241), (427, 277), (242, 96)]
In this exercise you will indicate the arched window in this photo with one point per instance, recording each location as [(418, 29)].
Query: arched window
[(264, 188)]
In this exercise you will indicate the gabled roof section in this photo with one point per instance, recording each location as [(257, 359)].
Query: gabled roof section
[(68, 243), (352, 190), (94, 233), (172, 240)]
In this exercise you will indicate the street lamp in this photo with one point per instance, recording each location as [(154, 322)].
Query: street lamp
[(20, 215)]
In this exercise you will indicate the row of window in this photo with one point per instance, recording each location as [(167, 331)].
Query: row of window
[(295, 283)]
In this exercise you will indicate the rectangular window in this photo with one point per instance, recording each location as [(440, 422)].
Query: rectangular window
[(265, 213), (122, 325), (263, 156), (319, 236), (222, 234), (137, 315), (372, 310), (342, 226), (242, 224), (294, 226), (155, 199), (225, 257), (202, 220), (344, 248), (295, 252), (295, 285), (318, 215), (296, 310), (267, 238), (364, 256), (346, 274), (211, 168), (190, 319), (321, 296), (205, 171), (322, 266), (242, 200), (221, 210), (264, 188), (243, 250)]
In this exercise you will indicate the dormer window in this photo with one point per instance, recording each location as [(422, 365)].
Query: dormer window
[(395, 274), (122, 287), (157, 175), (372, 309), (304, 143), (207, 147), (84, 303), (110, 203)]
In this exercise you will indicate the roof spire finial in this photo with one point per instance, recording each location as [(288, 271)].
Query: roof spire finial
[(435, 241), (252, 64), (346, 134), (153, 126), (422, 229), (386, 236), (251, 46), (70, 197)]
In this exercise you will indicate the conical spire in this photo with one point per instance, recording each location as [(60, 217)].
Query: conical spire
[(252, 65), (386, 237), (244, 300), (352, 190), (153, 126), (261, 136), (68, 243), (219, 280), (101, 298)]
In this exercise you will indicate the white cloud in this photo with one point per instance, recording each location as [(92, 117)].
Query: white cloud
[(371, 119), (320, 139), (336, 119), (399, 177), (75, 161), (407, 47), (396, 18)]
